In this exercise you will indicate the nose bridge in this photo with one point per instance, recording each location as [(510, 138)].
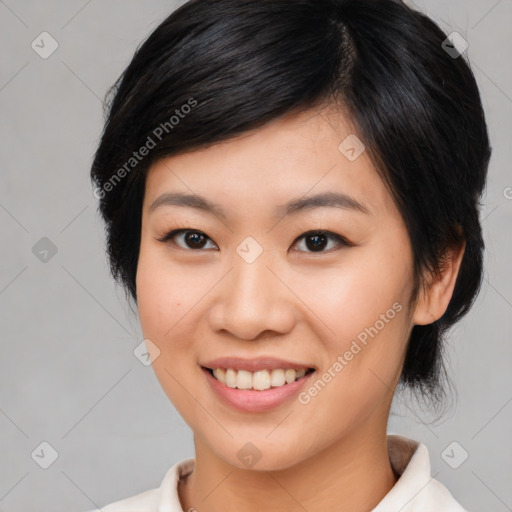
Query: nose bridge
[(251, 289)]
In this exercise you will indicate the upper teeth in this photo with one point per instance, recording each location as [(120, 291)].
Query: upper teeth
[(260, 380)]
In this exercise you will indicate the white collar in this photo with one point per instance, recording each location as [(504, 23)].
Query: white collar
[(415, 490)]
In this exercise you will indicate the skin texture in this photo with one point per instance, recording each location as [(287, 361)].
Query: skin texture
[(292, 303)]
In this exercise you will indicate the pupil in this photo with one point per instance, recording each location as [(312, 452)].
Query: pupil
[(317, 244), (193, 239)]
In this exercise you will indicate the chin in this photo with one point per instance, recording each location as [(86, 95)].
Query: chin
[(260, 455)]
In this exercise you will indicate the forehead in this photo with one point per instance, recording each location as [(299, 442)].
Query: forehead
[(294, 156)]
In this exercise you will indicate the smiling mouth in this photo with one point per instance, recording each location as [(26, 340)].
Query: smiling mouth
[(259, 380)]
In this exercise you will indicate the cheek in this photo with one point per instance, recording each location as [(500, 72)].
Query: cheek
[(351, 297), (156, 304), (165, 294)]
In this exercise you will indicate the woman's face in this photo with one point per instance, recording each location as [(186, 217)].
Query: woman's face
[(247, 281)]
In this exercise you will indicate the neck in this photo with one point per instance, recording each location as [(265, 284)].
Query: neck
[(353, 474)]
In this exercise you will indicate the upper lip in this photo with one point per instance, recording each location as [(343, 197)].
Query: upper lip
[(252, 365)]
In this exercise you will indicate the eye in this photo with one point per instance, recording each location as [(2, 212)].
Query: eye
[(314, 241), (318, 240), (190, 239)]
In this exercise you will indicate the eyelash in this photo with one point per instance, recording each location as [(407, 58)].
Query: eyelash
[(343, 242)]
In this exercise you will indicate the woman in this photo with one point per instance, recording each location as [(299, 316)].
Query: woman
[(290, 191)]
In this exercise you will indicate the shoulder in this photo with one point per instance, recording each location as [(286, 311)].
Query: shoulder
[(146, 501), (153, 500)]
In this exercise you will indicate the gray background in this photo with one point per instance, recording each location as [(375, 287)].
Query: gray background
[(68, 375)]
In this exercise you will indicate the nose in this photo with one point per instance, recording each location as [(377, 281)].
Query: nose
[(251, 300)]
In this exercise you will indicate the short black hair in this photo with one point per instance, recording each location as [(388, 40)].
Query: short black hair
[(215, 69)]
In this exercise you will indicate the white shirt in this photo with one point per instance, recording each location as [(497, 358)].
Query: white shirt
[(415, 490)]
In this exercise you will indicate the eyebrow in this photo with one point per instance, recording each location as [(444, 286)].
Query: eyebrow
[(323, 200)]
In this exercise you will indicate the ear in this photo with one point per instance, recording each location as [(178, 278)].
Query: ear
[(434, 299)]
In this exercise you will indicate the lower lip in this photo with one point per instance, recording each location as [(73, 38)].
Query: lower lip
[(253, 400)]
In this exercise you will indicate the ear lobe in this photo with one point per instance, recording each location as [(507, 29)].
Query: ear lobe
[(434, 300)]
